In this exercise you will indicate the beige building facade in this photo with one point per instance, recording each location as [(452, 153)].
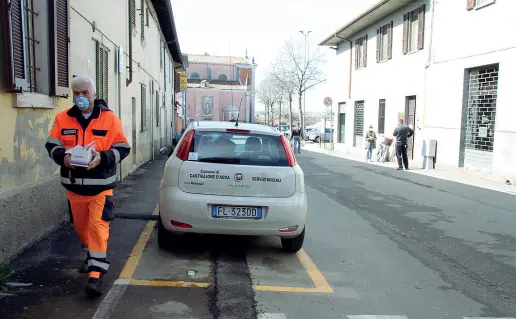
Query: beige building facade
[(132, 52)]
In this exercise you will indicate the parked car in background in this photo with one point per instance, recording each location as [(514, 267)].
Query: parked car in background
[(315, 135), (307, 133)]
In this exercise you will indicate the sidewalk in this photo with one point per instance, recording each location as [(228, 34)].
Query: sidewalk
[(45, 282), (451, 174)]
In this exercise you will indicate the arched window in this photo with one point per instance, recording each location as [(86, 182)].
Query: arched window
[(223, 77), (195, 76)]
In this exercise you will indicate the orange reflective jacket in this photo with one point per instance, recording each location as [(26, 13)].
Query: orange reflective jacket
[(71, 128)]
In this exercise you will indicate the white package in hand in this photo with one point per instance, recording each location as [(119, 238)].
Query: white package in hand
[(80, 156)]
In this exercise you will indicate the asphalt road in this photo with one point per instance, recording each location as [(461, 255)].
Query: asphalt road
[(380, 242)]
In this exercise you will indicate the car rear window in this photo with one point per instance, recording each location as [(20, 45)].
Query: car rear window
[(237, 148)]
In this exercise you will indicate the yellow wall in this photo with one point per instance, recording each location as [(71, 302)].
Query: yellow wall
[(23, 133)]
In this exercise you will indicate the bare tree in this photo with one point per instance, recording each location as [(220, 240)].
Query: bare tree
[(286, 84), (303, 73), (268, 94)]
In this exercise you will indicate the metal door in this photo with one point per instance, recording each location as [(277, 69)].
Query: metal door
[(410, 120), (359, 124), (480, 118)]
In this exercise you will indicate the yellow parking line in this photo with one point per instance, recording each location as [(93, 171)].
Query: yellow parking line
[(321, 285), (164, 283), (317, 277), (136, 254)]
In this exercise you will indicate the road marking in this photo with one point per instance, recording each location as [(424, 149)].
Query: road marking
[(488, 318), (136, 254), (377, 317), (317, 277), (272, 316), (164, 283), (109, 302), (321, 285)]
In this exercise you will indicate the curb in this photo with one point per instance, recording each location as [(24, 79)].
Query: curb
[(330, 153)]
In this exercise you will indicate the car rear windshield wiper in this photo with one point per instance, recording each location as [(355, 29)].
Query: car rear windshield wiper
[(225, 160)]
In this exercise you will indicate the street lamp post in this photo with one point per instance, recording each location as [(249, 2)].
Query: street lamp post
[(304, 91)]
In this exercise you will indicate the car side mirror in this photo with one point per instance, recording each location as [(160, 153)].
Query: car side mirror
[(166, 150)]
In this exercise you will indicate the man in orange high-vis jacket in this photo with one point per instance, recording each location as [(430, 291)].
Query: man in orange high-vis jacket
[(89, 188)]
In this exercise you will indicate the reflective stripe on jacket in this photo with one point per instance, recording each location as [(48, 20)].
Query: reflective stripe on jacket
[(103, 127)]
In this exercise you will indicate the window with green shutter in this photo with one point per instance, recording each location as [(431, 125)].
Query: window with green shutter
[(142, 19), (132, 12), (102, 71), (143, 104), (157, 108), (36, 46), (161, 49), (414, 30)]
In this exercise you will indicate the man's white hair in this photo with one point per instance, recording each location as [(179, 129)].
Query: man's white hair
[(84, 80)]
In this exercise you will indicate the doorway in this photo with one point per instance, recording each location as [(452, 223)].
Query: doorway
[(341, 125), (133, 148), (342, 128), (358, 140), (479, 118), (410, 120)]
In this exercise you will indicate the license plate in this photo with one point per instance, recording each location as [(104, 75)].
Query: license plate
[(236, 212)]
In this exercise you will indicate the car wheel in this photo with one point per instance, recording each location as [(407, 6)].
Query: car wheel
[(316, 140), (165, 238), (293, 245)]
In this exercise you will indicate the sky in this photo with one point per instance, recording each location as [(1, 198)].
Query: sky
[(230, 27)]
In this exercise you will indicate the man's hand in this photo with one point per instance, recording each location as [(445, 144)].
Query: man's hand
[(67, 161), (95, 161)]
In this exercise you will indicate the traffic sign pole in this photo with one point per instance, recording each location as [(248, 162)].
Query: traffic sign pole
[(328, 102)]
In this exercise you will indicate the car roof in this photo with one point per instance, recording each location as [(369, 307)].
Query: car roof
[(223, 125)]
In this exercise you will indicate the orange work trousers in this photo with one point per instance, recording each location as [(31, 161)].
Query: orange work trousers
[(92, 230)]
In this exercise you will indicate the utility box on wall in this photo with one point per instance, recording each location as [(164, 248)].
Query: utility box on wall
[(429, 148), (429, 153)]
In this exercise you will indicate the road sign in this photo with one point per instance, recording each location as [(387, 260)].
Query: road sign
[(328, 101), (183, 82)]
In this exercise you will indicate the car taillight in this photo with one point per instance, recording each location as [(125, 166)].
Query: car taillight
[(290, 154), (184, 148)]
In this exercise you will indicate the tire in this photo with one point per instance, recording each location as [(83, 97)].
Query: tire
[(165, 238), (316, 140), (293, 245)]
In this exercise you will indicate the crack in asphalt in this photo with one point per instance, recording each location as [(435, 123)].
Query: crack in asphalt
[(232, 295)]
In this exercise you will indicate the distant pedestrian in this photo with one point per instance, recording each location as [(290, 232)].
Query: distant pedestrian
[(370, 143), (296, 137), (402, 134)]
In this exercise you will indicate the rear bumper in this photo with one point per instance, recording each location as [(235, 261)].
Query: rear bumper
[(195, 210)]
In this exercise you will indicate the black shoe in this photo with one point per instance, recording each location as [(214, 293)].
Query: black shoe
[(399, 168), (84, 267), (406, 168), (93, 288)]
